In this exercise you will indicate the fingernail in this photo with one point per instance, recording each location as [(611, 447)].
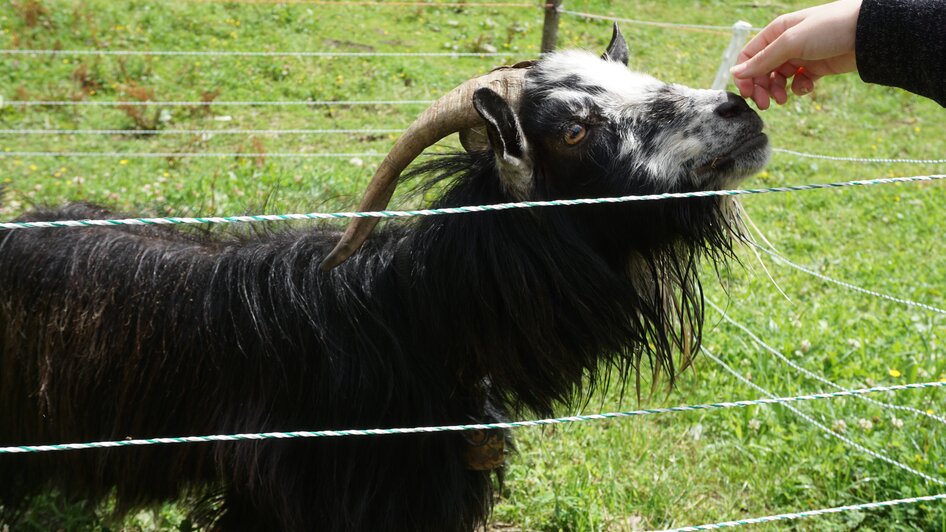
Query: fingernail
[(738, 69)]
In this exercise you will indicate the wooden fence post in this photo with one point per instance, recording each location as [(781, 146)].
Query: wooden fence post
[(550, 27)]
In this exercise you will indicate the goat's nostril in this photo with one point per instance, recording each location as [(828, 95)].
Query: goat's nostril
[(733, 106)]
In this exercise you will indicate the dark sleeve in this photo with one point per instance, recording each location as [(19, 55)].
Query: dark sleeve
[(902, 43)]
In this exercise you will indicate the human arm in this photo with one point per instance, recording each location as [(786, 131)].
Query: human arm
[(902, 43)]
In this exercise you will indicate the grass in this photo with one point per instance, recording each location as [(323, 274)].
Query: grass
[(658, 471)]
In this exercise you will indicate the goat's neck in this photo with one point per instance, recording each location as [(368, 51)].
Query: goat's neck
[(520, 301)]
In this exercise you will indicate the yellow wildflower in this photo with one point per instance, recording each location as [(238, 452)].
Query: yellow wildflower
[(894, 373)]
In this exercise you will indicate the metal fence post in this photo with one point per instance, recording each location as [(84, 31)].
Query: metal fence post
[(740, 34), (550, 27)]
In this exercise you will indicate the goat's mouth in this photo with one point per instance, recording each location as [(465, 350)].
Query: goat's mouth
[(738, 163)]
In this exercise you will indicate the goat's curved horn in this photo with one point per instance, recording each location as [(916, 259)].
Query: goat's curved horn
[(451, 113)]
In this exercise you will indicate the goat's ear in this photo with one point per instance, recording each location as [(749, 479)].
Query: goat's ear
[(506, 139), (617, 50)]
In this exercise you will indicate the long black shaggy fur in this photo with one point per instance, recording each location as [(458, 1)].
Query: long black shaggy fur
[(119, 332), (139, 332)]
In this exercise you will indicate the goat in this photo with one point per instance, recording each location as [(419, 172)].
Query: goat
[(121, 332)]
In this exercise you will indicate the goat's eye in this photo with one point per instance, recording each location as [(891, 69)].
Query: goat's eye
[(574, 134)]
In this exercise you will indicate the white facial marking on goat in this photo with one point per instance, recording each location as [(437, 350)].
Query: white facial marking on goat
[(672, 147), (615, 78)]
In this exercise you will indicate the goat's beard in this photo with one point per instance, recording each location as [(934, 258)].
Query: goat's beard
[(667, 282)]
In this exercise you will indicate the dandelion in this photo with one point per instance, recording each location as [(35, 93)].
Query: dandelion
[(894, 373), (865, 424), (929, 411), (123, 162)]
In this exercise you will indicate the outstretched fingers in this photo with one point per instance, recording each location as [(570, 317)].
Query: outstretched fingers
[(772, 47)]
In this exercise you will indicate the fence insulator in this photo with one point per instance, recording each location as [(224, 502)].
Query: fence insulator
[(740, 34)]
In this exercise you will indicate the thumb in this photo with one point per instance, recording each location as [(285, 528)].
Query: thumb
[(769, 58)]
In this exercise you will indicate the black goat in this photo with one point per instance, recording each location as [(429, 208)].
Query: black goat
[(112, 333)]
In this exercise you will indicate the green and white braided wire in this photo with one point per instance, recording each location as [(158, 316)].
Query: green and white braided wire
[(461, 210), (457, 428), (809, 513), (869, 160)]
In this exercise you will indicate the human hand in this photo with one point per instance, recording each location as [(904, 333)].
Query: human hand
[(804, 46)]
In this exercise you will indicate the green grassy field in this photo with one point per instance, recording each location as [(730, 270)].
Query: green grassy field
[(642, 473)]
